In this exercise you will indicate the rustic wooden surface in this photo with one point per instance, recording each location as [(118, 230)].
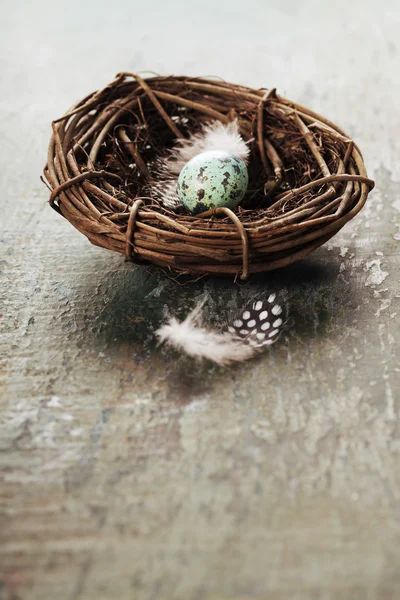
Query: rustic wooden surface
[(128, 472)]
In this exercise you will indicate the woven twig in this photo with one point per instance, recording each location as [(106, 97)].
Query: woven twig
[(307, 177)]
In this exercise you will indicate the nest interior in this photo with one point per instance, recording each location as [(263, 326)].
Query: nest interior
[(306, 176)]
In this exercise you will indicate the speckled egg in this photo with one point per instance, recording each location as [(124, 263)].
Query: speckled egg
[(212, 179)]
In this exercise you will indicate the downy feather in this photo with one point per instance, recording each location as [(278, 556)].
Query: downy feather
[(255, 329), (197, 341)]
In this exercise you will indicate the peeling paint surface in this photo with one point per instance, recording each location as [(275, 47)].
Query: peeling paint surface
[(130, 472)]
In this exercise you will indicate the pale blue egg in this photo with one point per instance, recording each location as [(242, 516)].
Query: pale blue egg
[(212, 179)]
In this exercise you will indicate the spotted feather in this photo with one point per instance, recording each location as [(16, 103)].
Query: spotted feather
[(259, 325), (256, 328)]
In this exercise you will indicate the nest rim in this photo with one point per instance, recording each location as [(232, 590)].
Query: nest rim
[(219, 241)]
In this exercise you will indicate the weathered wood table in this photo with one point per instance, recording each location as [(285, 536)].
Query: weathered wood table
[(129, 472)]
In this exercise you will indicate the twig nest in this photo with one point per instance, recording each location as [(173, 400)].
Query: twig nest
[(212, 179), (306, 176)]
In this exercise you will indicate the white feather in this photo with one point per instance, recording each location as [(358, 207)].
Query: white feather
[(213, 136), (197, 341)]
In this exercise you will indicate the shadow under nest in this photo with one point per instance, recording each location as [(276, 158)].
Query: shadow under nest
[(306, 177)]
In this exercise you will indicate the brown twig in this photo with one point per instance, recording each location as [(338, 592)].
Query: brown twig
[(133, 151)]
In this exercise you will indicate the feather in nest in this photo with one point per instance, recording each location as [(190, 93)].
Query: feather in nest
[(165, 170), (253, 331)]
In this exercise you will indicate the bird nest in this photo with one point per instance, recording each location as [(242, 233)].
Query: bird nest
[(306, 176)]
